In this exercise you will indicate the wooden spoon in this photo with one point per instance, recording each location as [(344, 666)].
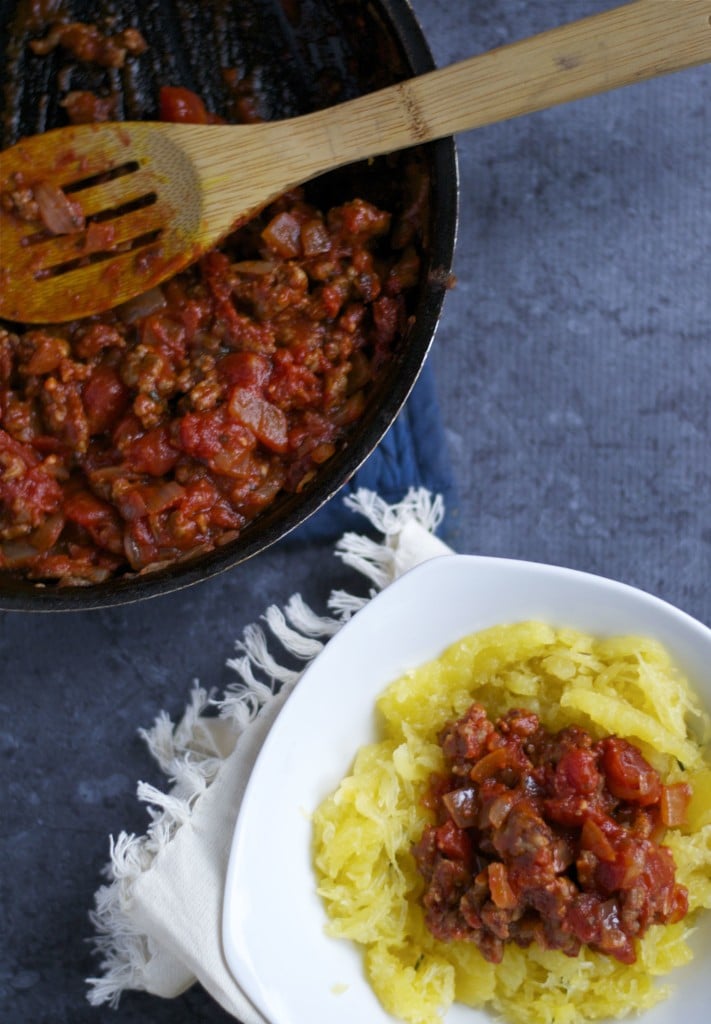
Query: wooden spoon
[(154, 196)]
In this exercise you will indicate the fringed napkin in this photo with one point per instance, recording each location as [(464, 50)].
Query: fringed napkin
[(158, 920)]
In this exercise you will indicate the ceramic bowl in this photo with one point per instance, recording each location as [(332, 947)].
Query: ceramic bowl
[(273, 922)]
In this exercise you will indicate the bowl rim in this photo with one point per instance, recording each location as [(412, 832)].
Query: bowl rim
[(17, 594), (342, 723)]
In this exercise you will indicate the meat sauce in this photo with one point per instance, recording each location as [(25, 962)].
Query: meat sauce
[(155, 432), (551, 838)]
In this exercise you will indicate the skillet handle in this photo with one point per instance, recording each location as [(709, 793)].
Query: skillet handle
[(628, 44)]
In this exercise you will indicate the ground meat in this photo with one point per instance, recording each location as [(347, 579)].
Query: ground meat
[(156, 432), (84, 107), (547, 837), (18, 198), (91, 46), (174, 421)]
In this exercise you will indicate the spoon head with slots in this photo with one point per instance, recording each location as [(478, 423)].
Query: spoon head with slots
[(91, 216)]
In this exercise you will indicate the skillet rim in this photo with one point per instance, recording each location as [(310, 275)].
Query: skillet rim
[(277, 522)]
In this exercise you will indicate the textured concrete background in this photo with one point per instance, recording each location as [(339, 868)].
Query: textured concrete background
[(573, 365)]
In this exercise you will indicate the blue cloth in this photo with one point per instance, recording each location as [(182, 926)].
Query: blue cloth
[(413, 453)]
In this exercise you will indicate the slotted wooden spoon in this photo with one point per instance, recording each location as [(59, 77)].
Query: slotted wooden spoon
[(168, 192)]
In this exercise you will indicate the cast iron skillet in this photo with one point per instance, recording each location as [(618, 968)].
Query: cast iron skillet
[(301, 55)]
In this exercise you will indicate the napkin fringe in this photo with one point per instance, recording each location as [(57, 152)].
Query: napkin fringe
[(190, 752), (122, 948), (376, 560), (167, 742), (300, 631)]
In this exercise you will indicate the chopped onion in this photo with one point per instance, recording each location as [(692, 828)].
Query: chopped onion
[(162, 496), (59, 214), (47, 533), (501, 892), (322, 452), (266, 421), (142, 305), (15, 552), (283, 235), (674, 804), (462, 806), (133, 550), (256, 268), (315, 238), (499, 808)]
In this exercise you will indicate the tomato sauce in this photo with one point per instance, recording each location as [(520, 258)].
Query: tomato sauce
[(551, 838), (156, 431)]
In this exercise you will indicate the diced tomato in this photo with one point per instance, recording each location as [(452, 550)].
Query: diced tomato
[(266, 421), (577, 770), (568, 810), (628, 775), (201, 509), (152, 452), (168, 423), (453, 842), (217, 440), (181, 105), (583, 917), (246, 369), (359, 217), (106, 399), (292, 385), (27, 489), (97, 517)]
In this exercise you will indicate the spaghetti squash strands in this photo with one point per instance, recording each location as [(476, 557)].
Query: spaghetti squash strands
[(615, 715), (699, 812), (363, 832)]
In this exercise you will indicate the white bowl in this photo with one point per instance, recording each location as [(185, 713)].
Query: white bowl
[(273, 922)]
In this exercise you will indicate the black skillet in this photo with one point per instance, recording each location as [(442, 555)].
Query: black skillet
[(299, 55)]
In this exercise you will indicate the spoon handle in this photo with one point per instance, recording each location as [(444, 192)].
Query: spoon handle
[(628, 44)]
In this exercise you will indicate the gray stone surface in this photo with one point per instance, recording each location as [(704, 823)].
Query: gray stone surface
[(573, 365)]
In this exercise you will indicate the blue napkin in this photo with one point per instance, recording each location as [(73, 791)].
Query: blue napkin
[(413, 453)]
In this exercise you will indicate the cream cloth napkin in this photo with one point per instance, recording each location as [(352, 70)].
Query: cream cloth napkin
[(158, 920)]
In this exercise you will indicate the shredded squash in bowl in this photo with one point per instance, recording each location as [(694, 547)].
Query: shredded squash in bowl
[(363, 833)]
